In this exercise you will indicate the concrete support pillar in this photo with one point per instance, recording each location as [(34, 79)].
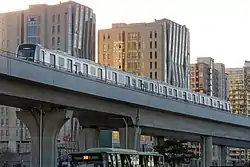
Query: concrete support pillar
[(222, 151), (158, 141), (53, 120), (209, 151), (206, 151), (202, 152), (133, 138), (88, 138)]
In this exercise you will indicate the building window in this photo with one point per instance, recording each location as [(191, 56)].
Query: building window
[(53, 41), (150, 45), (53, 29), (150, 66), (155, 34), (155, 75), (155, 44), (58, 18), (58, 40), (155, 55), (155, 64), (150, 75), (150, 34), (151, 55), (58, 29), (53, 18)]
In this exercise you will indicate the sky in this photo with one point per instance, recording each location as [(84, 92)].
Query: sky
[(218, 28)]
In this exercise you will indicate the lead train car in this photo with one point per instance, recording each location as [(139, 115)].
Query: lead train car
[(64, 61)]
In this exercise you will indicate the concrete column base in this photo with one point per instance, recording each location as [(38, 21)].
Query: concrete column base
[(133, 138), (53, 120), (88, 138)]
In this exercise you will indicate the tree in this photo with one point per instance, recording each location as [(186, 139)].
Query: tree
[(176, 152)]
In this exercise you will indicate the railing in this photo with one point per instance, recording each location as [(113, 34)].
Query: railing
[(11, 55)]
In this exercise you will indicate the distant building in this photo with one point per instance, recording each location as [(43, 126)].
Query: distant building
[(208, 77), (159, 50), (67, 26)]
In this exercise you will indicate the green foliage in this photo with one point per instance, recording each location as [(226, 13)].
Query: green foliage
[(176, 152)]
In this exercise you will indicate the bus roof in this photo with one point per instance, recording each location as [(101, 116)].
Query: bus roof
[(112, 150), (116, 150), (150, 153)]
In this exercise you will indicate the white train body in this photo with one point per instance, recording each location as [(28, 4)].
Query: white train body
[(64, 61)]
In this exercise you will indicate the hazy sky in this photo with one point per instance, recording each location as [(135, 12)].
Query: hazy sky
[(218, 28)]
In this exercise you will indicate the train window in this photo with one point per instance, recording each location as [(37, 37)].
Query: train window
[(140, 83), (156, 88), (77, 66), (134, 82), (85, 69), (61, 62), (145, 85), (185, 95), (226, 106), (175, 92), (164, 90), (114, 77), (180, 94), (151, 87), (218, 103), (127, 81), (93, 71), (42, 56), (202, 100), (211, 102), (53, 60), (194, 99), (69, 65), (160, 89), (99, 73), (170, 91)]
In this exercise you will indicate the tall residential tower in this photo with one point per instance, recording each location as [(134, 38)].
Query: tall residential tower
[(159, 50)]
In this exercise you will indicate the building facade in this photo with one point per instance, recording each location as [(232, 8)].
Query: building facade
[(222, 81), (208, 77), (159, 50), (237, 90), (67, 26)]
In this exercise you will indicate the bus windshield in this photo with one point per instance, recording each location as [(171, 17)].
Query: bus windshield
[(87, 160)]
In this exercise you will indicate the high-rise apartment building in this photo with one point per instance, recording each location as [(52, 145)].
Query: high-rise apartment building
[(238, 83), (222, 81), (237, 90), (67, 26), (208, 77), (159, 50)]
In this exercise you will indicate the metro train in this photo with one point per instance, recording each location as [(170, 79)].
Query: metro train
[(64, 61)]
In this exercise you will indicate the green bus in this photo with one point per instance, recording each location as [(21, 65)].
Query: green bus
[(113, 157)]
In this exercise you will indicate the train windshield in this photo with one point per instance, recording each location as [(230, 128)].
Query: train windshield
[(26, 52)]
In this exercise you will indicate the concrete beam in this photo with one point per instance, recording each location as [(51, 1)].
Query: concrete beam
[(33, 72)]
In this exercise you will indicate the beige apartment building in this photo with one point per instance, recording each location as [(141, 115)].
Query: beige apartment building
[(159, 50), (67, 26)]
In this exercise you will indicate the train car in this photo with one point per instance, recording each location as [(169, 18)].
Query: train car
[(64, 61)]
